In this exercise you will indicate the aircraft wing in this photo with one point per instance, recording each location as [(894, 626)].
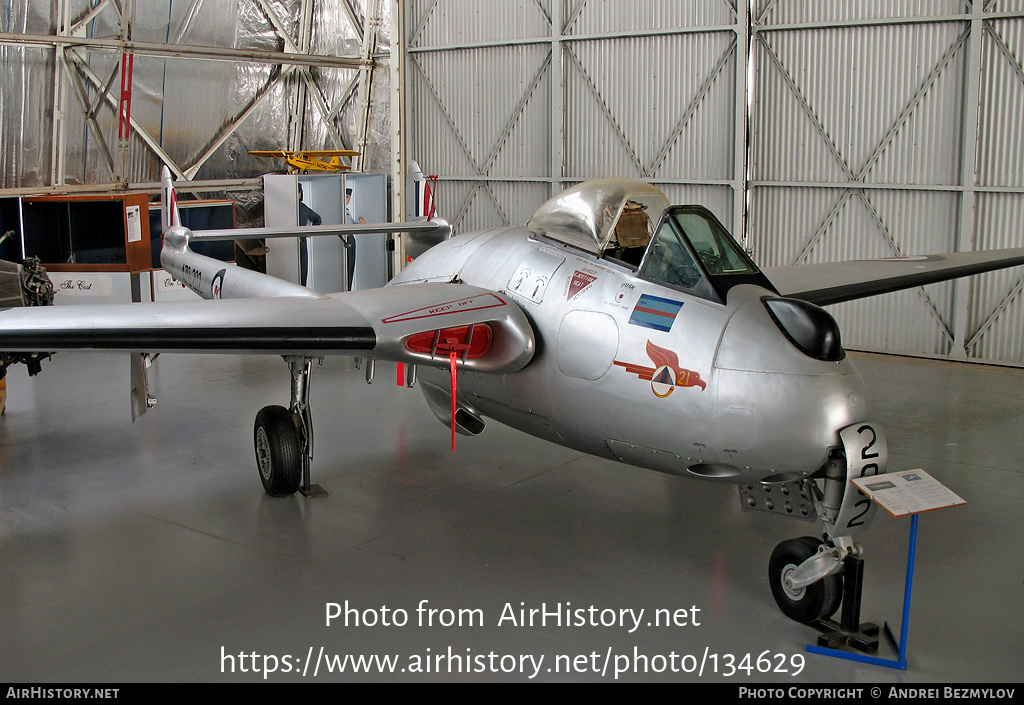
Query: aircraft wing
[(415, 323), (328, 153), (835, 282)]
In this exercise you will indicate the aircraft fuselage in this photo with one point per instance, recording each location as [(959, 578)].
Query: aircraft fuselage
[(643, 373)]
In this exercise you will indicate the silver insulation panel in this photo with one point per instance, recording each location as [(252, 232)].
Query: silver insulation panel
[(187, 105)]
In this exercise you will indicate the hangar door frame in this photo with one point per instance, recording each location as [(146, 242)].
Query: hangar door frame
[(510, 101)]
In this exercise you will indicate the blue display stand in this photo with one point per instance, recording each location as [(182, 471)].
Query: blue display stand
[(908, 492), (901, 643)]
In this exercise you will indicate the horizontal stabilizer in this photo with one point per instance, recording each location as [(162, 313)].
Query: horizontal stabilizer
[(419, 226)]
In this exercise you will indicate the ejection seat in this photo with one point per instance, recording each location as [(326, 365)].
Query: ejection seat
[(633, 232)]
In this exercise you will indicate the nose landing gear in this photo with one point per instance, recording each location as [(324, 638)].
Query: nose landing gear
[(809, 577), (807, 603), (815, 603)]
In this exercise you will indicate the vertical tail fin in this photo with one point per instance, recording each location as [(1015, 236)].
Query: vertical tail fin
[(168, 201)]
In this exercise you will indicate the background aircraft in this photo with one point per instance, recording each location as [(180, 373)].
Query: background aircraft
[(315, 160), (614, 324)]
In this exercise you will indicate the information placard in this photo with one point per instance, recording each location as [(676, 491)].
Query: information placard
[(908, 492)]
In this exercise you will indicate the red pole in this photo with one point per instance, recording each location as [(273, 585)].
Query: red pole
[(124, 111)]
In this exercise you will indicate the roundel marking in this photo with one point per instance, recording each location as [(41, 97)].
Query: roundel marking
[(217, 286)]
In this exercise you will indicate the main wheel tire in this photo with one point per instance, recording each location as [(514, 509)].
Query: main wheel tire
[(278, 451), (812, 602)]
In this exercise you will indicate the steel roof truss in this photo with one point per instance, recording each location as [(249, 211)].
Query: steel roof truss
[(236, 122), (79, 26), (138, 128), (290, 46), (89, 110)]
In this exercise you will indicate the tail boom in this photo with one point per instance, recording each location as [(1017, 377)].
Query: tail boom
[(213, 279)]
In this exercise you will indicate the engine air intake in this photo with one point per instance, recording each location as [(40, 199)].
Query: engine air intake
[(810, 328)]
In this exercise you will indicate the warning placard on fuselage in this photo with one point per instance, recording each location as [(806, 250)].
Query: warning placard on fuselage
[(533, 275)]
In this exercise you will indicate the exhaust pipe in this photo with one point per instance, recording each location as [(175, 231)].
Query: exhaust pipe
[(468, 421)]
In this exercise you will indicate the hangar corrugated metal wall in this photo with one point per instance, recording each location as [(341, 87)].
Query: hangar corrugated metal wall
[(873, 129), (510, 101), (885, 129)]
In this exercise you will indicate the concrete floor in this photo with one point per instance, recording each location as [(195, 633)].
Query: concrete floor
[(149, 552)]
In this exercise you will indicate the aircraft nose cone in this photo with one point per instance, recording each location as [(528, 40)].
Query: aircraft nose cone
[(785, 387)]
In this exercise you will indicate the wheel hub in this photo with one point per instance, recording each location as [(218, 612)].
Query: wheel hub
[(263, 453), (795, 594)]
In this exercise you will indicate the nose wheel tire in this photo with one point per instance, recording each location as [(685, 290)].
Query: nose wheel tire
[(812, 602), (278, 451)]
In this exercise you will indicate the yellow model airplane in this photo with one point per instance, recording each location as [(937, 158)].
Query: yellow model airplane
[(303, 162)]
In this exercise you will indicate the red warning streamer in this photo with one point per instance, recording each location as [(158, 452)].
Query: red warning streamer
[(454, 349), (453, 358)]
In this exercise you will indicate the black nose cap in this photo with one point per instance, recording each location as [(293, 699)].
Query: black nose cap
[(810, 328)]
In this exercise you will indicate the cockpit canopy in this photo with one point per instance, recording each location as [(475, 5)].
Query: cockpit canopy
[(601, 214), (631, 222)]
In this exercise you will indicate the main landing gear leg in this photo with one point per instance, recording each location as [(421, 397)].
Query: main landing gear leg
[(284, 438)]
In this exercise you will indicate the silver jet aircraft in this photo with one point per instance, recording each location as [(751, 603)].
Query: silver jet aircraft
[(610, 298)]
